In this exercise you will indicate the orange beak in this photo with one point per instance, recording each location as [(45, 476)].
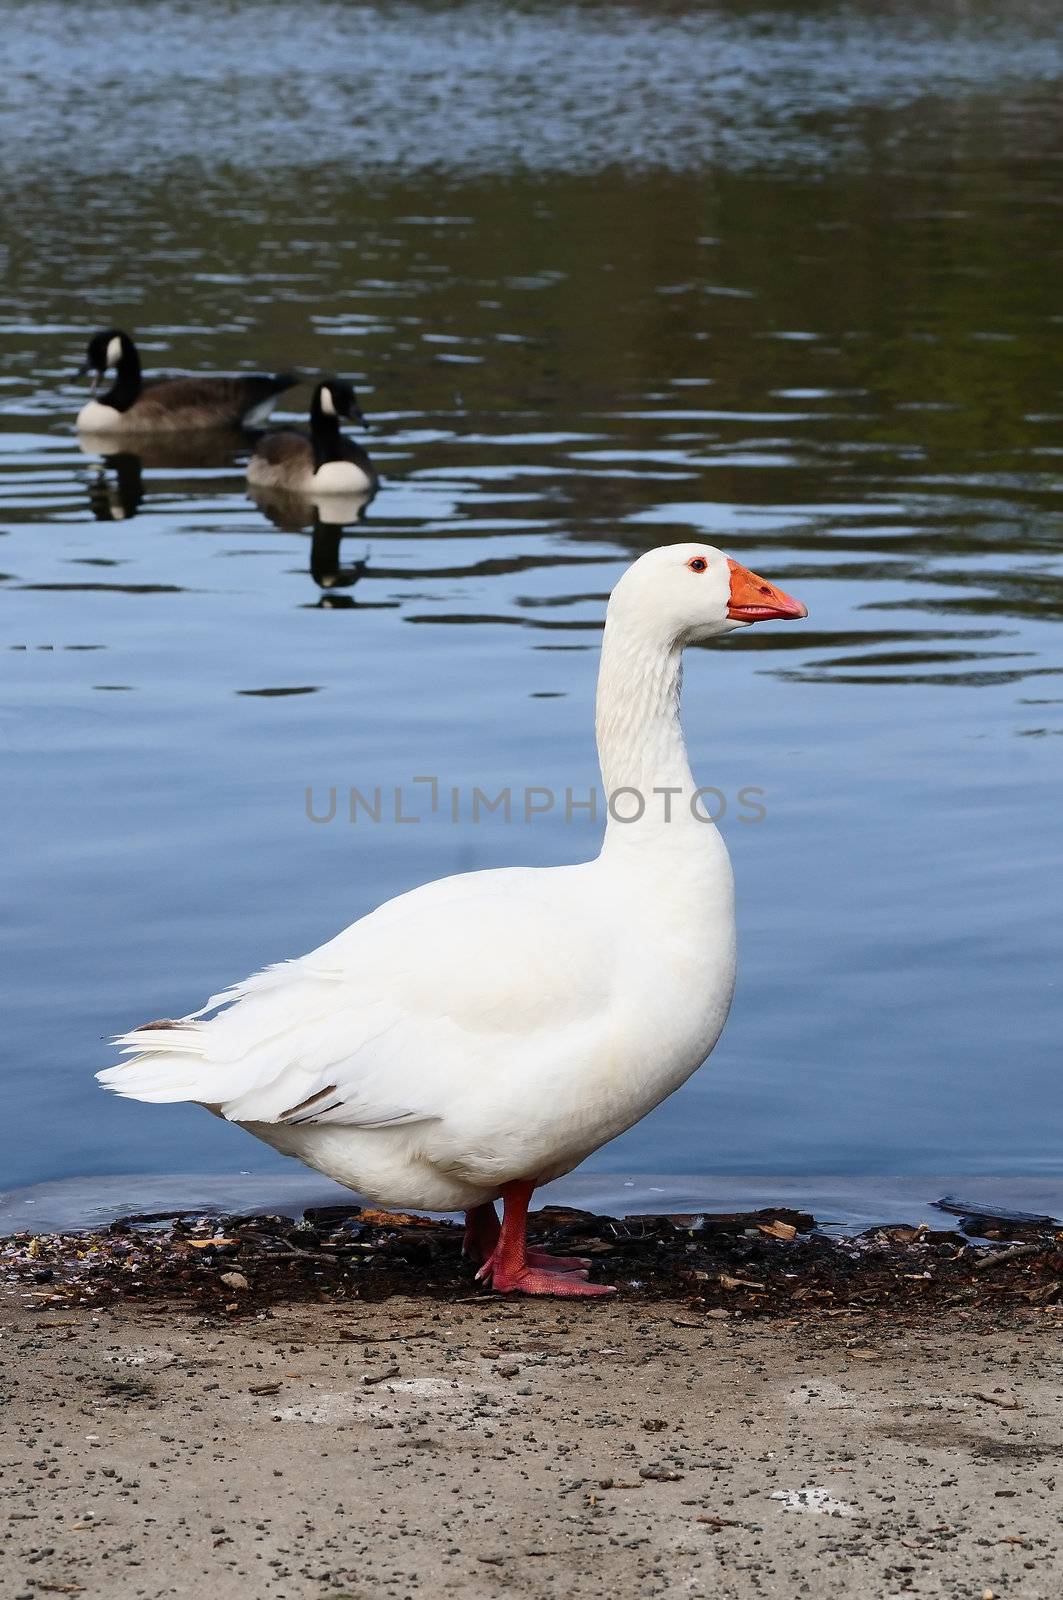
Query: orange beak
[(754, 599)]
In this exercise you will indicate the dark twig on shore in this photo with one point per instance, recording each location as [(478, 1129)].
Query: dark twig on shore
[(1014, 1253)]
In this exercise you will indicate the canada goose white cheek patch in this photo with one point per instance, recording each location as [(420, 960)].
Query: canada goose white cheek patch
[(328, 405), (114, 352)]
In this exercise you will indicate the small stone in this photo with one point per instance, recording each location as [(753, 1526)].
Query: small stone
[(235, 1280)]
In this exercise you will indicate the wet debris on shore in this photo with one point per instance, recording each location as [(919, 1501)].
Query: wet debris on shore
[(770, 1263)]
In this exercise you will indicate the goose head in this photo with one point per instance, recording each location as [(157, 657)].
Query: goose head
[(684, 593), (108, 348), (335, 398)]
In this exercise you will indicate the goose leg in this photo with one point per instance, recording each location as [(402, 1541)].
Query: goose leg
[(482, 1230), (511, 1266)]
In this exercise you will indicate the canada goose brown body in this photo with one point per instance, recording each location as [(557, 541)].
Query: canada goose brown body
[(134, 404), (318, 460)]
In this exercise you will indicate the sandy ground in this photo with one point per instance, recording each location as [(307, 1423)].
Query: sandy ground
[(487, 1448)]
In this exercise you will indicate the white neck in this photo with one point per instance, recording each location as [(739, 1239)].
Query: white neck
[(640, 740)]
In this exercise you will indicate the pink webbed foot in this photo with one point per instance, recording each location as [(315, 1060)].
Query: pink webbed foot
[(495, 1268), (534, 1280), (481, 1241), (509, 1266), (549, 1263), (534, 1276)]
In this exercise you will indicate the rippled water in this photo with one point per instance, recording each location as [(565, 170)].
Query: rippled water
[(784, 277)]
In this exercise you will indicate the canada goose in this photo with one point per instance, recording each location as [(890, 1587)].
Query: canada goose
[(169, 405), (321, 461)]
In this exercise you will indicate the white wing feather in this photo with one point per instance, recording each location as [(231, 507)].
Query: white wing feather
[(399, 1017)]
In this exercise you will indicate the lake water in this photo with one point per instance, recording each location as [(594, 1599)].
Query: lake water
[(783, 277)]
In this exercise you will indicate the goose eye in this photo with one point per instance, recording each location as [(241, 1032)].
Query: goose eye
[(697, 564)]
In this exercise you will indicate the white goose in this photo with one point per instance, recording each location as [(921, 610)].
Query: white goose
[(483, 1034)]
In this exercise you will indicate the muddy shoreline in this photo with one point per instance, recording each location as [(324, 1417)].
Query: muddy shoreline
[(764, 1264)]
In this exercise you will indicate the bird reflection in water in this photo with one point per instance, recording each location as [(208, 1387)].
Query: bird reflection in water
[(328, 519), (117, 490)]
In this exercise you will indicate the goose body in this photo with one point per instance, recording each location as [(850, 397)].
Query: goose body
[(483, 1034), (137, 405), (321, 460)]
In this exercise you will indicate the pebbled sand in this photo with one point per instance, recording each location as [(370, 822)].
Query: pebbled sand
[(499, 1449)]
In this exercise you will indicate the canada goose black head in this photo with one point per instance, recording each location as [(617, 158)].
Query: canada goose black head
[(110, 348), (333, 398)]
